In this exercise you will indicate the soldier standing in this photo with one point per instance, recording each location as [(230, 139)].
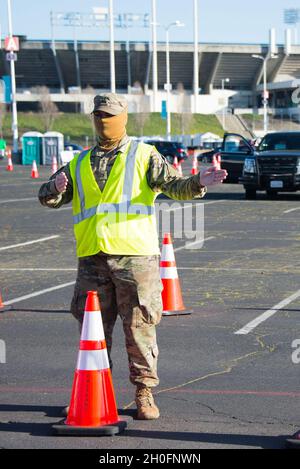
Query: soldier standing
[(113, 188)]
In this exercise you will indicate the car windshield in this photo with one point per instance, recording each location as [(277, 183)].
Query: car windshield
[(280, 142)]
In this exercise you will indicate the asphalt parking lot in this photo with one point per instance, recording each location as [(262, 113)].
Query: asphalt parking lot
[(218, 389)]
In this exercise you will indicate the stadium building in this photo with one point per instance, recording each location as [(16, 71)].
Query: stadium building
[(73, 76)]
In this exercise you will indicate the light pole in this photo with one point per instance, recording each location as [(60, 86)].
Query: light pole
[(112, 48), (13, 87), (126, 21), (292, 18), (224, 80), (265, 94), (270, 55), (100, 18), (178, 24), (154, 55), (76, 57), (196, 56)]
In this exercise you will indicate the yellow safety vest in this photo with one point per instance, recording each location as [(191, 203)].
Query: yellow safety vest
[(120, 220)]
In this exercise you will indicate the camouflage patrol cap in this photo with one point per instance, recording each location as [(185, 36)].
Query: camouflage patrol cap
[(111, 103)]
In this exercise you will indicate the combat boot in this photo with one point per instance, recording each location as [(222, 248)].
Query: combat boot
[(146, 408)]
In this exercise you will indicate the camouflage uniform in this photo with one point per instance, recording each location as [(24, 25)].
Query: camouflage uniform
[(127, 285)]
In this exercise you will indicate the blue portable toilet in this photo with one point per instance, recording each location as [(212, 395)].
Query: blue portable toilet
[(32, 148)]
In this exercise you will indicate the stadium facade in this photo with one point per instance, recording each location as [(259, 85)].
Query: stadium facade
[(74, 76)]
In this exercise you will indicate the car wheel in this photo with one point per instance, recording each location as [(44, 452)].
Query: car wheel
[(250, 193)]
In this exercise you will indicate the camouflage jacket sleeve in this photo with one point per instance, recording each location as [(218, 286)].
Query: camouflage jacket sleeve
[(48, 194), (163, 177)]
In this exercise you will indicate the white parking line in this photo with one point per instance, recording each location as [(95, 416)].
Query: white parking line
[(41, 240), (214, 202), (225, 269), (21, 184), (9, 201), (292, 210), (214, 269), (268, 314), (38, 293), (158, 203), (186, 246), (33, 269), (193, 205)]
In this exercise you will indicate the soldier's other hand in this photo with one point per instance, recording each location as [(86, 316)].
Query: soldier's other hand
[(61, 182), (212, 176)]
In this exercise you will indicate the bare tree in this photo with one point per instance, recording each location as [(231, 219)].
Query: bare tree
[(185, 116), (47, 107), (142, 115)]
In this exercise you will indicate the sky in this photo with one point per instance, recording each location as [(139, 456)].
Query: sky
[(235, 21)]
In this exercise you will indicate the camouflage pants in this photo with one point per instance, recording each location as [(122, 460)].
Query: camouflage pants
[(131, 288)]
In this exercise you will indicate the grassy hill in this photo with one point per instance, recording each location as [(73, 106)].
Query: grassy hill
[(78, 127)]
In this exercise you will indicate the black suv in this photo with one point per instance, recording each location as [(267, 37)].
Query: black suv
[(235, 149), (170, 149), (273, 166)]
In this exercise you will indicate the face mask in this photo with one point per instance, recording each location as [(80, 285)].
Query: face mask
[(111, 130)]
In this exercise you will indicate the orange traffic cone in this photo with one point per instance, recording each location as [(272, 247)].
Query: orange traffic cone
[(294, 441), (34, 171), (54, 165), (9, 166), (195, 166), (3, 306), (175, 162), (171, 294), (93, 409)]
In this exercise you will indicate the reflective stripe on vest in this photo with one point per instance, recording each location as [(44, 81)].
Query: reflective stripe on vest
[(125, 206)]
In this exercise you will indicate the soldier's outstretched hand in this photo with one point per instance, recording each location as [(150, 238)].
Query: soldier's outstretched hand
[(212, 176), (61, 182)]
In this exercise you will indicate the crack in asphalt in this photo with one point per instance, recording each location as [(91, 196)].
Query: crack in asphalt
[(194, 403), (240, 420), (269, 348), (228, 368)]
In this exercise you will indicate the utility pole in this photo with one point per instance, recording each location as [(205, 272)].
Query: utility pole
[(270, 55), (154, 55), (196, 56), (112, 48), (13, 88), (224, 80), (168, 86)]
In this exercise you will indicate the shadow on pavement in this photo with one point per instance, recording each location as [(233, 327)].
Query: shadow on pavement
[(49, 411), (38, 429), (209, 196), (45, 429), (266, 309), (226, 195), (34, 429), (24, 310), (260, 441)]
